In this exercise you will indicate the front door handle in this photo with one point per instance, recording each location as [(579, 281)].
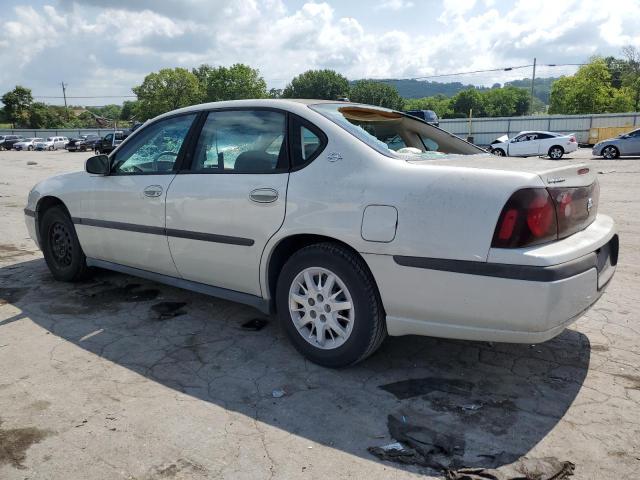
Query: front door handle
[(153, 191), (263, 195)]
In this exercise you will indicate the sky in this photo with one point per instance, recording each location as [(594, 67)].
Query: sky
[(103, 48)]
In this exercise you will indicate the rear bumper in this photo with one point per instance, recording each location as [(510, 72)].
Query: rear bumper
[(30, 222), (489, 301)]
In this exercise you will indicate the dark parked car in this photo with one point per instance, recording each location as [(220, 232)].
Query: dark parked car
[(7, 141), (428, 116), (83, 143), (109, 142)]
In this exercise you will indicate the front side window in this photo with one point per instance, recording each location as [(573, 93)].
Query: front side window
[(242, 141), (155, 148)]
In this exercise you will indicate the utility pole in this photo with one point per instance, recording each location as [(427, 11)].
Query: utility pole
[(64, 94), (533, 79)]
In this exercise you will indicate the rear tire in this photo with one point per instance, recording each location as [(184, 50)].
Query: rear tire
[(30, 148), (556, 152), (339, 321), (499, 152), (61, 247), (610, 152)]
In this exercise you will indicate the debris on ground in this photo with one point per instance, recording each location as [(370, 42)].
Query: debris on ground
[(548, 468), (165, 310), (31, 162), (278, 393), (604, 172), (255, 324)]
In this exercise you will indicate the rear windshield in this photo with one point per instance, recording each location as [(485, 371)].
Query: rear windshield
[(392, 133)]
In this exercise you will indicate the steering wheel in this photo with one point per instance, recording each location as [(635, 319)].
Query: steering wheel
[(162, 154)]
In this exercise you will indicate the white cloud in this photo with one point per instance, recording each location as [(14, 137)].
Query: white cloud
[(394, 5), (108, 50)]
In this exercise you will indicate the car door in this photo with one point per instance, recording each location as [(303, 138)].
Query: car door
[(631, 144), (524, 145), (224, 207), (127, 208)]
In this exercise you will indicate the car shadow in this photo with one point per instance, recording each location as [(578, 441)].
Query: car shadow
[(492, 402)]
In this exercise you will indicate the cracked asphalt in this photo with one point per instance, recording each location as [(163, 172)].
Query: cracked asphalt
[(118, 377)]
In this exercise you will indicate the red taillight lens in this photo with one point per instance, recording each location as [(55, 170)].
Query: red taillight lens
[(528, 218), (572, 139)]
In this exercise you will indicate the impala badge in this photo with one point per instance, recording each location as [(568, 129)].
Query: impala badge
[(589, 204), (555, 180), (334, 157)]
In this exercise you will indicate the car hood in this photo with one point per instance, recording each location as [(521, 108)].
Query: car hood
[(552, 173), (502, 139)]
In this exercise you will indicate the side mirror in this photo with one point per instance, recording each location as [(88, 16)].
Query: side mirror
[(98, 165), (624, 136)]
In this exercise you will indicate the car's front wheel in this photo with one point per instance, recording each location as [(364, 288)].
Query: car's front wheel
[(30, 148), (499, 152), (610, 152), (61, 247), (329, 305)]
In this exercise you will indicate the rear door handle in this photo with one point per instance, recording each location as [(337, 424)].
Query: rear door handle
[(263, 195), (153, 191)]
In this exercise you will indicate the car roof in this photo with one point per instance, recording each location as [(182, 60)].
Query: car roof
[(538, 131), (259, 102)]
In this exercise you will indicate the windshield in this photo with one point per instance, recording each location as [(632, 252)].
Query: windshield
[(392, 133)]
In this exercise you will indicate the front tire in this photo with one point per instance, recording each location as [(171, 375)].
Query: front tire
[(329, 305), (61, 247), (499, 152), (610, 152), (556, 152), (30, 148)]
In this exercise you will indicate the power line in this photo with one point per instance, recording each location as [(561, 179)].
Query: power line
[(90, 96)]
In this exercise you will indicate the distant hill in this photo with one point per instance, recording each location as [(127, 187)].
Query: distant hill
[(424, 88)]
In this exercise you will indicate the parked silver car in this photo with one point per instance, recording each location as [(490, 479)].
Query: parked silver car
[(625, 144), (51, 143)]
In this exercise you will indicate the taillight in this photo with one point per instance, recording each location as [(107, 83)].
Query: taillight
[(538, 215), (528, 218), (572, 139)]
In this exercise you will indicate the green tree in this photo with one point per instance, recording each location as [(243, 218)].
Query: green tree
[(275, 93), (166, 90), (317, 84), (588, 91), (466, 100), (376, 93), (236, 82), (16, 105), (128, 111), (43, 116), (505, 102), (630, 76)]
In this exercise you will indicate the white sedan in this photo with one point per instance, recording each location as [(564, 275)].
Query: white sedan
[(350, 222), (539, 143)]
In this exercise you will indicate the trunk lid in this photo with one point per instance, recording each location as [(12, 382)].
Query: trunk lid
[(554, 173)]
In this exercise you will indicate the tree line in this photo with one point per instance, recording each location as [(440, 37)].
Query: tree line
[(603, 85)]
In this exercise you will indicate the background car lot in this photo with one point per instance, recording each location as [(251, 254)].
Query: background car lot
[(118, 377)]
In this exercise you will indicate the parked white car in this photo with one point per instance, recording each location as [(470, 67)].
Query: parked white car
[(27, 144), (349, 221), (51, 143), (538, 143)]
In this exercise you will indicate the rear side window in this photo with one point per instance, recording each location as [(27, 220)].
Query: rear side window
[(307, 142), (242, 141)]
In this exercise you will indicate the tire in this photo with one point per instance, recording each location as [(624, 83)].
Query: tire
[(499, 152), (30, 148), (60, 246), (610, 152), (556, 152), (51, 149), (363, 325)]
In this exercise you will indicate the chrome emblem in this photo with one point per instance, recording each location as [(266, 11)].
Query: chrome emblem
[(589, 204), (334, 157), (555, 180)]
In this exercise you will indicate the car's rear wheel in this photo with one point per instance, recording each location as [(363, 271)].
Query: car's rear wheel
[(556, 152), (499, 152), (61, 247), (610, 152), (30, 148), (329, 305)]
